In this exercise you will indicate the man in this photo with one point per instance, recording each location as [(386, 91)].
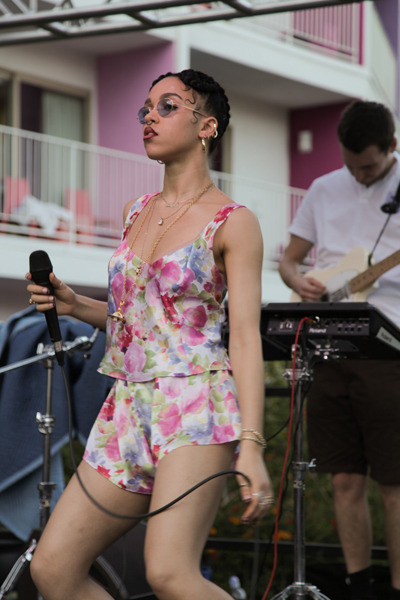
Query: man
[(354, 405)]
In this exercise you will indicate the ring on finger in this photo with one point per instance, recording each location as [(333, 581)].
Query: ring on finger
[(31, 301), (266, 500), (263, 500), (258, 495), (243, 484)]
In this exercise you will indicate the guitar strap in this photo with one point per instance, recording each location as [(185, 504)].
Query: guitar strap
[(393, 206), (390, 208)]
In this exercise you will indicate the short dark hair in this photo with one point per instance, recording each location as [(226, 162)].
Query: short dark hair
[(364, 124), (215, 101)]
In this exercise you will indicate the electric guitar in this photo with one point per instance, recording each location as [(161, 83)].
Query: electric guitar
[(351, 279)]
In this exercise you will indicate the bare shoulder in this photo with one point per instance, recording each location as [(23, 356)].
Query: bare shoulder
[(131, 203), (241, 217), (239, 234), (128, 207), (241, 223)]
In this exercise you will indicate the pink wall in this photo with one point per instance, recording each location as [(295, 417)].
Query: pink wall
[(325, 154), (123, 83)]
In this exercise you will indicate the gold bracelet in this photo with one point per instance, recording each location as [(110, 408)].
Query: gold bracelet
[(260, 441), (256, 434)]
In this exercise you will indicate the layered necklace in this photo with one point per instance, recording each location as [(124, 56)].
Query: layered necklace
[(179, 204), (117, 315)]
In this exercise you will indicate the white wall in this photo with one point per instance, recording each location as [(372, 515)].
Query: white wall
[(378, 52), (259, 140)]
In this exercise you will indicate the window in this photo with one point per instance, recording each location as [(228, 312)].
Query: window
[(52, 113)]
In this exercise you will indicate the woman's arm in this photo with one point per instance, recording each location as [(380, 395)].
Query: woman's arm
[(242, 250)]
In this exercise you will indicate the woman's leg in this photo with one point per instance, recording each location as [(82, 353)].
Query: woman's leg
[(175, 538), (78, 532)]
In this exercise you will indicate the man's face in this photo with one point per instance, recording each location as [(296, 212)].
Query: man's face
[(368, 166)]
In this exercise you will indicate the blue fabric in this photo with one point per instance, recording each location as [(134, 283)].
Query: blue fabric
[(23, 394), (19, 504)]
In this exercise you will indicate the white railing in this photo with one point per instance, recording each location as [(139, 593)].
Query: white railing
[(68, 190), (74, 192), (332, 30)]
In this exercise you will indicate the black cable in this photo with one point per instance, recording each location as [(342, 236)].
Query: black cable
[(370, 255), (139, 516)]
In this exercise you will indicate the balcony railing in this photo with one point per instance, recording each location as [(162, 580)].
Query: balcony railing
[(75, 193), (333, 30)]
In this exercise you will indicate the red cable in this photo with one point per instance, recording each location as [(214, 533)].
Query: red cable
[(278, 508)]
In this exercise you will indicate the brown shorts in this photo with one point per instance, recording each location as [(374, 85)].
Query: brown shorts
[(353, 418)]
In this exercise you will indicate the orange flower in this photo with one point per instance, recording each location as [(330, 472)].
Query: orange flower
[(284, 535)]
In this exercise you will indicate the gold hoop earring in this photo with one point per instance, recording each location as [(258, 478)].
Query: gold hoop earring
[(204, 146), (215, 134)]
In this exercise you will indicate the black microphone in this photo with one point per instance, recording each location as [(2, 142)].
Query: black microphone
[(40, 268), (393, 206)]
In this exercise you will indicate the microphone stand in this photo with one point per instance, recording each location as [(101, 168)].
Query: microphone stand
[(45, 424), (299, 589)]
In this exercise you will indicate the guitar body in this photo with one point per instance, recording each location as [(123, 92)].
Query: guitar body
[(336, 278)]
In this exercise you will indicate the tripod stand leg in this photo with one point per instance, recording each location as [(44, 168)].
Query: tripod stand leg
[(17, 569), (101, 571), (300, 590)]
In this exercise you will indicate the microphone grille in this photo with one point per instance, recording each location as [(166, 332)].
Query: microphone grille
[(39, 260)]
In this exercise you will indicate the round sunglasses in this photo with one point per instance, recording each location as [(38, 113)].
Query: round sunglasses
[(165, 108)]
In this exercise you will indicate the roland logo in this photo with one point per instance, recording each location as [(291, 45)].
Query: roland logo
[(318, 329)]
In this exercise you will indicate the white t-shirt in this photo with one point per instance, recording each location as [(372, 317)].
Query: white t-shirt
[(339, 214)]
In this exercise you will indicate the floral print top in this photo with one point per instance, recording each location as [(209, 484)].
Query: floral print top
[(173, 310)]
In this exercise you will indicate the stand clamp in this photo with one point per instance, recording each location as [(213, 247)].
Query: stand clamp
[(45, 423)]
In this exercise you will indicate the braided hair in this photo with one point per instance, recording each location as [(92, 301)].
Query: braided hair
[(212, 99)]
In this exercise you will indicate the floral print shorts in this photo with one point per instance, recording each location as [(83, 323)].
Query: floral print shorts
[(139, 423)]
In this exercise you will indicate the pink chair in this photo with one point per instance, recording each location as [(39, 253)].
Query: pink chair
[(15, 191)]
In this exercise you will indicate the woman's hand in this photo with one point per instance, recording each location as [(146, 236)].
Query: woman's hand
[(63, 297), (258, 494)]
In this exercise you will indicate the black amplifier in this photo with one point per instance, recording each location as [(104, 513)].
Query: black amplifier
[(352, 329)]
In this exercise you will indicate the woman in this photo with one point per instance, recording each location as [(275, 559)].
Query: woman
[(174, 415)]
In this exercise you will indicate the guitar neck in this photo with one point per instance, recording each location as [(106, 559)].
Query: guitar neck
[(367, 277)]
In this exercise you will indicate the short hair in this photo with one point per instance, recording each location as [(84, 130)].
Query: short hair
[(363, 124), (215, 101)]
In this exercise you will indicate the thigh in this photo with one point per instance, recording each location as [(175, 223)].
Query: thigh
[(186, 525), (78, 531)]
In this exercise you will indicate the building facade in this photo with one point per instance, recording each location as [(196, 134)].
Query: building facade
[(71, 147)]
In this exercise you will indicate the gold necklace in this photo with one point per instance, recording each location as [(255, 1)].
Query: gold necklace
[(117, 315), (162, 219), (169, 204)]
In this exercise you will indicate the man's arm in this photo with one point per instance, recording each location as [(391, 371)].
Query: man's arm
[(309, 289)]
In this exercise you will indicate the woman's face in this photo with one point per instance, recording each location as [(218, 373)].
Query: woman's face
[(177, 128)]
